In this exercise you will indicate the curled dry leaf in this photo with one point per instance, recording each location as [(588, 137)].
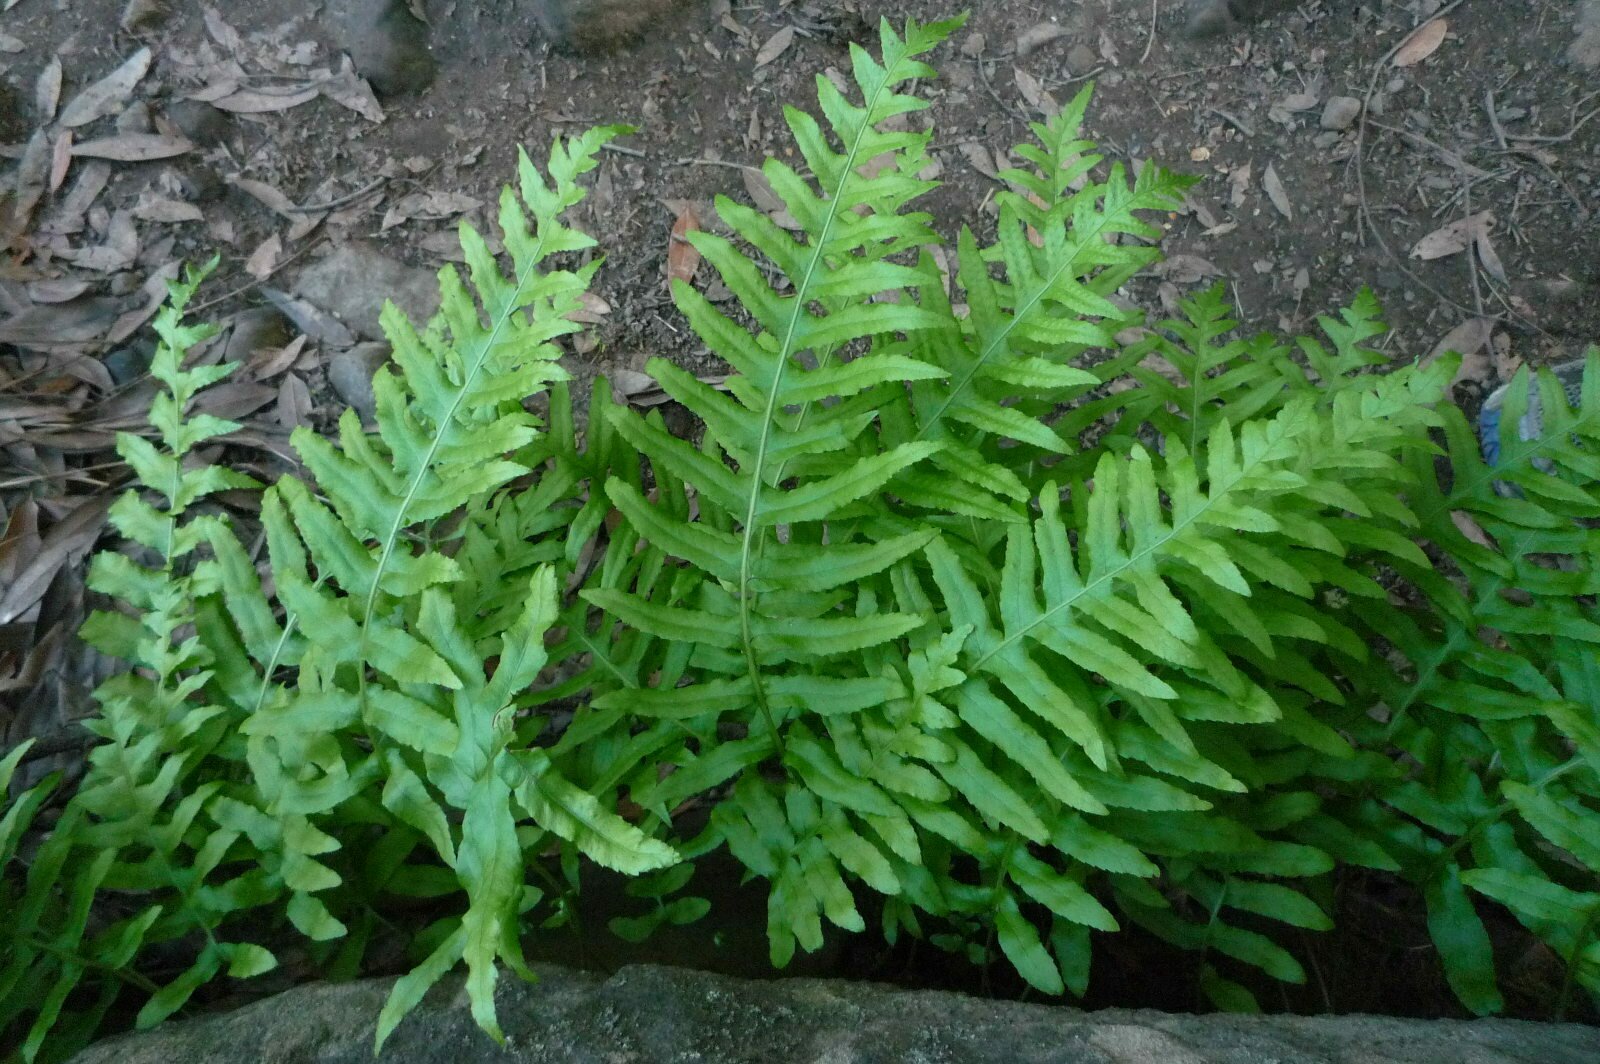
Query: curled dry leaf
[(1186, 269), (683, 258), (776, 45), (1453, 238), (1422, 43), (107, 95)]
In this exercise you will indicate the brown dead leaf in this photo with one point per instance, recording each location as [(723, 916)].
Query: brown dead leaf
[(294, 402), (57, 291), (979, 157), (133, 147), (1453, 238), (1489, 257), (1469, 527), (109, 94), (267, 362), (47, 90), (1037, 36), (776, 45), (66, 542), (1470, 340), (1239, 184), (46, 327), (593, 311), (1036, 94), (155, 294), (349, 90), (264, 259), (1422, 43), (265, 101), (60, 159), (157, 209), (1273, 186), (683, 258), (267, 195), (1299, 101), (1186, 269)]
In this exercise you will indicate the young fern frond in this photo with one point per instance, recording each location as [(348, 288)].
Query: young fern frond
[(773, 591), (1491, 688), (417, 636), (1064, 246)]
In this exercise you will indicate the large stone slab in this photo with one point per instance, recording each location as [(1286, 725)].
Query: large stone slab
[(657, 1015)]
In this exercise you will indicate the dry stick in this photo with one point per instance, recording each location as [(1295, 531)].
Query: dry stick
[(343, 201), (1364, 214), (1494, 119), (1155, 9)]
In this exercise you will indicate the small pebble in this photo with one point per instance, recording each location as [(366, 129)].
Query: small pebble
[(204, 125), (1081, 59), (350, 375)]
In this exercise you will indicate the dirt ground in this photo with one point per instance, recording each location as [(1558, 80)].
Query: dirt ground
[(1459, 177)]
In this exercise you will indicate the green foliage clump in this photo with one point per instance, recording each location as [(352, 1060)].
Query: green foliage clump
[(953, 599)]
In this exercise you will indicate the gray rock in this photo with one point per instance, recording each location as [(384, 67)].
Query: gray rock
[(197, 120), (350, 375), (353, 282), (1207, 18), (387, 44), (658, 1015), (128, 364), (1584, 52), (1081, 59), (1341, 112), (254, 329)]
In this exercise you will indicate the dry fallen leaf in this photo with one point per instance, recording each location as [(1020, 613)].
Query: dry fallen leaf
[(1469, 527), (294, 402), (1037, 36), (1453, 238), (107, 95), (1186, 269), (979, 157), (1489, 257), (683, 258), (66, 542), (1035, 93), (1273, 186), (259, 101), (1422, 43), (1239, 184), (133, 147), (47, 89), (776, 45), (264, 259), (1470, 340)]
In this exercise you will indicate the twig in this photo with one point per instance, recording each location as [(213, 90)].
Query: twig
[(343, 201), (1155, 10), (1494, 119), (1233, 120), (242, 289), (623, 149), (717, 162)]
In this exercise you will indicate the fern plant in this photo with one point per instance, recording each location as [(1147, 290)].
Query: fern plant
[(953, 601)]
